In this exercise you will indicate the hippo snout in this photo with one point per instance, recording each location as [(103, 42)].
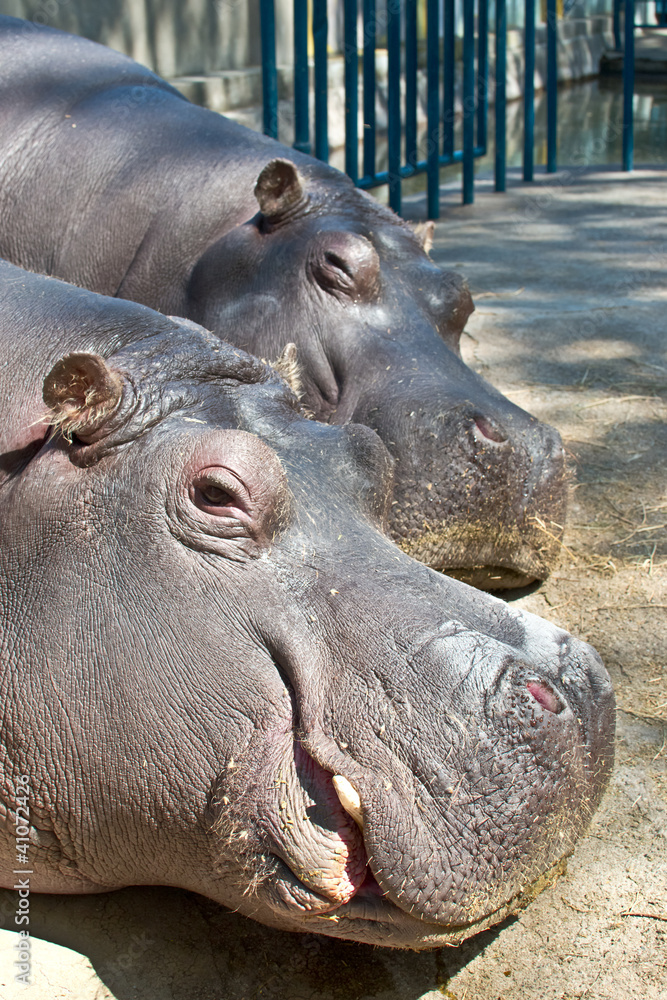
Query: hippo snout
[(490, 501), (475, 768)]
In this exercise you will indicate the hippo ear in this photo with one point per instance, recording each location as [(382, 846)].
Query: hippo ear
[(345, 265), (425, 231), (280, 193), (81, 392)]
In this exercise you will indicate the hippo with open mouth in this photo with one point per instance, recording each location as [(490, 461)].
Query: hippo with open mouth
[(220, 674), (110, 179)]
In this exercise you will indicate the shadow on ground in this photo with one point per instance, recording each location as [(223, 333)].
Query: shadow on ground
[(166, 944)]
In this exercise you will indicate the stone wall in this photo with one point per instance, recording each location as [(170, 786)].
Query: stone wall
[(172, 37)]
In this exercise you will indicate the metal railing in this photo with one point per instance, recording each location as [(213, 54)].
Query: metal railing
[(626, 40), (433, 50)]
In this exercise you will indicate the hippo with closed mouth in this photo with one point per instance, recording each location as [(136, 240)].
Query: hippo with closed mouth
[(110, 179), (220, 674)]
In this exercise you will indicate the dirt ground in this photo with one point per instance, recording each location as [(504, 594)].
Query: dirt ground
[(570, 281)]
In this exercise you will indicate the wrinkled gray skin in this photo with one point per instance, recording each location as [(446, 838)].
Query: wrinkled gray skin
[(203, 622), (111, 180)]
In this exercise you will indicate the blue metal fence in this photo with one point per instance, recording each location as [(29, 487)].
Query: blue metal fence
[(415, 42), (624, 11)]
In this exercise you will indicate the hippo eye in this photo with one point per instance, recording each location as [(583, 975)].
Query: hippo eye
[(214, 496), (215, 500), (219, 493)]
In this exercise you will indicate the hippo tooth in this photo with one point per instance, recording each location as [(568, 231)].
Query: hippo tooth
[(349, 799)]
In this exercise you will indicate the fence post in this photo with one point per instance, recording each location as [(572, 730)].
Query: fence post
[(529, 92), (394, 102), (433, 108), (269, 72), (411, 81), (449, 67), (628, 85), (482, 72), (320, 33), (369, 87), (501, 96), (351, 57), (301, 123), (552, 86), (468, 102)]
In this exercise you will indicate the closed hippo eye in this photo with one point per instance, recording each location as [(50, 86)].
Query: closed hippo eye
[(345, 265)]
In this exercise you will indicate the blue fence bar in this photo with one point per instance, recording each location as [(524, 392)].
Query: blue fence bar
[(320, 37), (394, 103), (501, 96), (351, 57), (411, 81), (433, 109), (449, 77), (468, 101), (369, 87), (269, 70), (552, 86), (301, 123), (482, 72), (529, 93), (628, 85)]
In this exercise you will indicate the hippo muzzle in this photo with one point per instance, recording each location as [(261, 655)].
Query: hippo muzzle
[(425, 799)]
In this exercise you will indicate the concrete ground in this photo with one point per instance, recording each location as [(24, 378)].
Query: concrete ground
[(570, 280)]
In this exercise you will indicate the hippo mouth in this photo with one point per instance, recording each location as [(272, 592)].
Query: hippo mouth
[(493, 577), (391, 926), (341, 896), (314, 835), (409, 850)]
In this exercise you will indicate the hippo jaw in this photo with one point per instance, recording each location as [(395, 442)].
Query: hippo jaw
[(333, 889)]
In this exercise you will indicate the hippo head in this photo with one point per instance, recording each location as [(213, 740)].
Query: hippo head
[(479, 483), (225, 676)]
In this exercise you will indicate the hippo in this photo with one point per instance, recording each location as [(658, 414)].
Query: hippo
[(215, 653), (111, 180)]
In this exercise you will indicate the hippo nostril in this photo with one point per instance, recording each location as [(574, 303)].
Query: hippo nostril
[(545, 696), (490, 429)]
